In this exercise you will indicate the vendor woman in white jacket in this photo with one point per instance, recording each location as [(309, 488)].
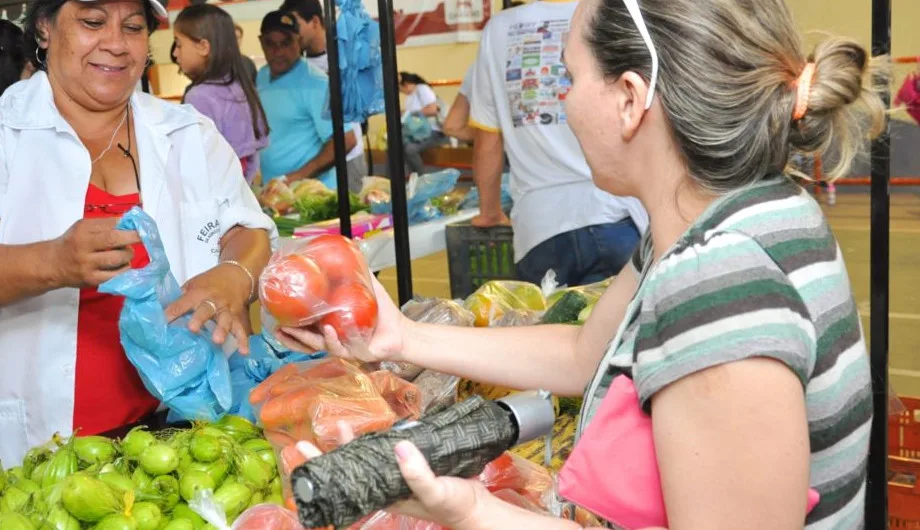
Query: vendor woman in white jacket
[(78, 148)]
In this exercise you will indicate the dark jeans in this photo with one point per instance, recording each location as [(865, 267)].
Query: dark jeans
[(582, 256), (414, 151)]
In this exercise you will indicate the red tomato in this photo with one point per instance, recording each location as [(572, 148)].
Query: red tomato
[(291, 288), (355, 310), (338, 257)]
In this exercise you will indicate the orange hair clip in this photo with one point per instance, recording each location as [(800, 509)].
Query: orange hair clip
[(803, 85)]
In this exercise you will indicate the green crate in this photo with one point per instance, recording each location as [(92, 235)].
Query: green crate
[(478, 255)]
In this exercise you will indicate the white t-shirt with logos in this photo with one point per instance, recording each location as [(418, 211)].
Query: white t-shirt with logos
[(518, 89), (466, 88), (322, 62), (422, 97)]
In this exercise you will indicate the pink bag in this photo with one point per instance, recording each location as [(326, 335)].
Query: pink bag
[(613, 470), (909, 95)]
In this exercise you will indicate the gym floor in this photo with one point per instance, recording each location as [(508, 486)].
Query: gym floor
[(849, 219)]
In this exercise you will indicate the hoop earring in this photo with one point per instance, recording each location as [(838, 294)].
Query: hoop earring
[(38, 58)]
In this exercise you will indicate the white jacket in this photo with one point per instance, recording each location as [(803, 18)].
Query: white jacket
[(191, 184)]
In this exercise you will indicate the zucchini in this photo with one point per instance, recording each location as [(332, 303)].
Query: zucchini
[(567, 309)]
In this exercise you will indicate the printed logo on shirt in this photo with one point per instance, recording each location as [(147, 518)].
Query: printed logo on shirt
[(536, 80), (208, 232)]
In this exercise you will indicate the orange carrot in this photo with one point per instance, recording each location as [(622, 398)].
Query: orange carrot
[(261, 392)]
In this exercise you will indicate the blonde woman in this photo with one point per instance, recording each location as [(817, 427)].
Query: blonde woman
[(737, 321)]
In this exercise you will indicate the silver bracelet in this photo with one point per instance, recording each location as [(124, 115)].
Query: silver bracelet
[(252, 279)]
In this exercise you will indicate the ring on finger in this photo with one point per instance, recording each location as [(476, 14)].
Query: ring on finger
[(212, 305)]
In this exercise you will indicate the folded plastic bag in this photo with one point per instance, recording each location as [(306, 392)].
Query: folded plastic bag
[(184, 370), (324, 281), (491, 301)]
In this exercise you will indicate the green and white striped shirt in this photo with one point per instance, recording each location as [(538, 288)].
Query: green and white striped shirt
[(760, 274)]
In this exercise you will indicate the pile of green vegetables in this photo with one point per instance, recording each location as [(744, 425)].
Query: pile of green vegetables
[(143, 482), (314, 208)]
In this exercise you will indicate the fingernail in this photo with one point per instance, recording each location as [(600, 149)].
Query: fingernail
[(403, 451)]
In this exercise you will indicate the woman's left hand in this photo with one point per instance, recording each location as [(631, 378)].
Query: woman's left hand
[(222, 295), (448, 501)]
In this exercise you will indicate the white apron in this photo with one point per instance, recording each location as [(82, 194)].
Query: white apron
[(191, 184)]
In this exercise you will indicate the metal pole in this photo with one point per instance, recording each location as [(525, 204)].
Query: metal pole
[(877, 490), (338, 120), (395, 151)]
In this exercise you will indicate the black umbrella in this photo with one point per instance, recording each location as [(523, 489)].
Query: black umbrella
[(359, 478)]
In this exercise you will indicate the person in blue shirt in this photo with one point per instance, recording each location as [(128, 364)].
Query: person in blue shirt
[(294, 96)]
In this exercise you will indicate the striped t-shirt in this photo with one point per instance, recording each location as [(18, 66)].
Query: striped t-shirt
[(760, 274)]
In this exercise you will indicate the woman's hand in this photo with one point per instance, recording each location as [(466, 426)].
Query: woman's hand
[(448, 501), (222, 295), (92, 252), (386, 344)]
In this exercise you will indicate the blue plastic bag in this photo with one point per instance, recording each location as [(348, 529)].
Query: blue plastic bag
[(416, 128), (426, 187), (184, 370), (247, 371), (360, 63)]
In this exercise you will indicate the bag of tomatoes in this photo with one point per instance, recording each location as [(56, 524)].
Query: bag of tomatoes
[(324, 282)]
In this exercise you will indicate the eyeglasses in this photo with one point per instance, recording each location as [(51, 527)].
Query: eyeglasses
[(636, 13)]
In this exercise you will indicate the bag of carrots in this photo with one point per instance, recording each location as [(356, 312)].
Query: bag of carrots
[(307, 401)]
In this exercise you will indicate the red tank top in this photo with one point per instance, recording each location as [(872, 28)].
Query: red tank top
[(108, 391)]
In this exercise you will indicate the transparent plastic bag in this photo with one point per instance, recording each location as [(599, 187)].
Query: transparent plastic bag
[(438, 311), (518, 317), (420, 190), (277, 197), (438, 390), (491, 301), (389, 521), (407, 371), (403, 397), (375, 190), (307, 401), (574, 304), (259, 517), (184, 370), (324, 281), (511, 472)]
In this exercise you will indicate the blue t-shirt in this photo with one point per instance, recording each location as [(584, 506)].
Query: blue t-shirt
[(294, 105)]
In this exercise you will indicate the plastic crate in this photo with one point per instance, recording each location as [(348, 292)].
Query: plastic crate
[(904, 467), (478, 255)]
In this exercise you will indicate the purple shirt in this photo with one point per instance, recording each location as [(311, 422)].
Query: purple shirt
[(226, 105)]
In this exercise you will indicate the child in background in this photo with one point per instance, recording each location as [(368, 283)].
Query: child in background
[(222, 89)]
